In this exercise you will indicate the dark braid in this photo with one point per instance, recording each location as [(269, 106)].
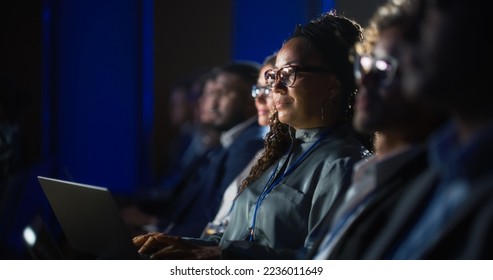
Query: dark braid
[(334, 37), (277, 141)]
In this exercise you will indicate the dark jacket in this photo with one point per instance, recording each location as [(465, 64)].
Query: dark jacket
[(466, 233), (368, 224)]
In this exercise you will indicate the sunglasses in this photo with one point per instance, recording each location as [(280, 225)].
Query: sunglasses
[(382, 69), (287, 74), (258, 91)]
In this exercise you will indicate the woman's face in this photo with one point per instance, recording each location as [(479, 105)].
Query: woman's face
[(302, 104), (264, 102)]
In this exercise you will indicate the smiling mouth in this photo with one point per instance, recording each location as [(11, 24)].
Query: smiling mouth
[(281, 104)]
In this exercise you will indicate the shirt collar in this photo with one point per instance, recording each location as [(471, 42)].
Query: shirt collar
[(228, 137), (306, 135)]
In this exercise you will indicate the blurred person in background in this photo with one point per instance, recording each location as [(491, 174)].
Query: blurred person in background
[(198, 197), (265, 108), (448, 214), (403, 126)]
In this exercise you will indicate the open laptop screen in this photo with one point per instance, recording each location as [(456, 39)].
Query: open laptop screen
[(90, 219)]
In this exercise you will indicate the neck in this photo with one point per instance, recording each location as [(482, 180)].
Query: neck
[(386, 143)]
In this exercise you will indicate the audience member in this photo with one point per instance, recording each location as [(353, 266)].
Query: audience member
[(201, 134), (403, 126), (309, 152), (181, 109), (141, 212), (448, 212)]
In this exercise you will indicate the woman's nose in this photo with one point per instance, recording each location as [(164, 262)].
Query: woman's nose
[(278, 87)]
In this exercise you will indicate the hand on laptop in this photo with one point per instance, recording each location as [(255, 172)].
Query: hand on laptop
[(161, 246)]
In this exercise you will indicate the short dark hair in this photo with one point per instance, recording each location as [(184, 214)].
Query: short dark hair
[(334, 35), (390, 14)]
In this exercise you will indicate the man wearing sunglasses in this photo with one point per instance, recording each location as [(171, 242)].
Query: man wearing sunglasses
[(402, 127), (449, 214)]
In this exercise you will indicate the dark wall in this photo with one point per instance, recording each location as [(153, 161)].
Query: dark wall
[(187, 40), (20, 73), (98, 91), (260, 27), (21, 90), (360, 10)]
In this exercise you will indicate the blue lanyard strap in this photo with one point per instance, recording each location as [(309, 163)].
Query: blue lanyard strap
[(269, 186)]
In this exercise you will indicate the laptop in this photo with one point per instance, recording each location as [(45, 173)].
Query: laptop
[(90, 219)]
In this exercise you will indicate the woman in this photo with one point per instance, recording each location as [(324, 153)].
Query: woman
[(309, 151)]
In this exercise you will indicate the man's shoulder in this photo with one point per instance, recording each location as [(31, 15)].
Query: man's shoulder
[(252, 133)]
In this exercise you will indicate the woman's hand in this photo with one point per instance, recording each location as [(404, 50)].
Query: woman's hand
[(141, 239), (161, 246), (186, 251)]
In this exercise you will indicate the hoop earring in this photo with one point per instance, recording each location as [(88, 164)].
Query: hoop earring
[(322, 112)]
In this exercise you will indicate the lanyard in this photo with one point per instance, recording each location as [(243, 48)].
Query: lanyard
[(269, 186)]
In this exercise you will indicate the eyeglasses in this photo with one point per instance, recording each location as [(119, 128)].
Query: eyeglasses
[(383, 69), (287, 74), (257, 91)]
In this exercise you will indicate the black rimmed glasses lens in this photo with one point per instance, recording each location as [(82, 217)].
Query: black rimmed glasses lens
[(287, 74), (382, 69), (258, 91)]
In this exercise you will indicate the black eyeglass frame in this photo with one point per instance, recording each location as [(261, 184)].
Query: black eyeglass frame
[(296, 69)]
